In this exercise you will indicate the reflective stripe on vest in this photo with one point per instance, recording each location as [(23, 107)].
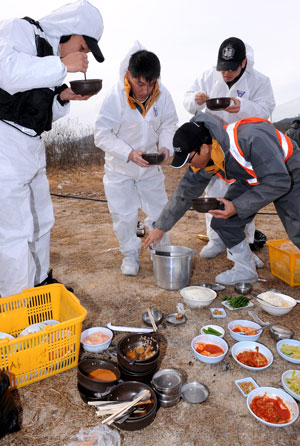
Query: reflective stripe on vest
[(237, 153)]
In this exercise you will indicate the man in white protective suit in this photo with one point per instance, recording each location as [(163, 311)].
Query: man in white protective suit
[(138, 116), (251, 95), (35, 58)]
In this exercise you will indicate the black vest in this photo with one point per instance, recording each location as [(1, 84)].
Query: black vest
[(31, 108)]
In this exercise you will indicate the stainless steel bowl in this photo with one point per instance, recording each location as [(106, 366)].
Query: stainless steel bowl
[(167, 381), (157, 316), (279, 332), (194, 392), (243, 287), (170, 403)]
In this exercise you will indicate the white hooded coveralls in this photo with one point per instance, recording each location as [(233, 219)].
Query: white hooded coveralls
[(26, 213), (128, 187), (254, 90)]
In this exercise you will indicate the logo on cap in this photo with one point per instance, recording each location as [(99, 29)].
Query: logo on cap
[(228, 52), (177, 149)]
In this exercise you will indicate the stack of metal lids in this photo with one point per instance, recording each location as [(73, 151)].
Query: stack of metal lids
[(167, 385)]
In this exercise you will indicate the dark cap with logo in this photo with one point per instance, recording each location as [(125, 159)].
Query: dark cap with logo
[(94, 48), (231, 54), (189, 138)]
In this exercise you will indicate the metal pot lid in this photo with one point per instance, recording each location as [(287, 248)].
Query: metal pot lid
[(194, 392), (172, 319)]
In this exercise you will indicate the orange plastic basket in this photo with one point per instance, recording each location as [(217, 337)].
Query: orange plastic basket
[(284, 264), (36, 356)]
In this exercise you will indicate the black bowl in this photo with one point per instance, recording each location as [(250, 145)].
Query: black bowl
[(131, 341), (153, 158), (87, 395), (127, 391), (206, 204), (137, 367), (144, 377), (88, 365), (218, 103), (86, 87)]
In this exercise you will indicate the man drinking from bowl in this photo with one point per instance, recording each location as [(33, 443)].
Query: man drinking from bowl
[(35, 58)]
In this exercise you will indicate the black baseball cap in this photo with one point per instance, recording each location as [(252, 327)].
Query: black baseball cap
[(94, 48), (189, 138), (231, 54)]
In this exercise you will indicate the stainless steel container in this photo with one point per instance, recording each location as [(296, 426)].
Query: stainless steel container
[(172, 266), (167, 381)]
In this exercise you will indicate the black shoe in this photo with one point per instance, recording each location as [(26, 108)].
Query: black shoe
[(49, 280), (259, 240)]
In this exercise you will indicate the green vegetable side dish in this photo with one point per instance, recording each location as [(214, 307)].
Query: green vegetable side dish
[(237, 302), (212, 331), (293, 382)]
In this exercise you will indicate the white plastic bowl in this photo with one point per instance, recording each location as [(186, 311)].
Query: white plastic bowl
[(273, 392), (276, 311), (40, 326), (250, 345), (294, 342), (215, 327), (209, 339), (96, 348), (209, 294), (288, 374), (6, 336), (244, 323)]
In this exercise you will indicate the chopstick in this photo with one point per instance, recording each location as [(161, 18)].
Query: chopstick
[(115, 403), (152, 320), (112, 417)]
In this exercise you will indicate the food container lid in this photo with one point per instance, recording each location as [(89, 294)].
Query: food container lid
[(194, 392), (171, 318), (167, 379)]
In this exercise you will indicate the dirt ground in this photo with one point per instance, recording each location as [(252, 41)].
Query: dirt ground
[(84, 255)]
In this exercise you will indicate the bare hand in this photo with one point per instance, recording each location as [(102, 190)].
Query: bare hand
[(229, 209), (75, 62), (201, 97), (165, 151), (69, 95), (136, 157), (235, 108), (154, 237)]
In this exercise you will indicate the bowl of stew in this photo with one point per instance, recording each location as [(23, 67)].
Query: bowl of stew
[(209, 348)]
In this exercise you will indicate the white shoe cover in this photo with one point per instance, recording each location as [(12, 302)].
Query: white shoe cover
[(258, 262), (244, 269), (130, 266), (212, 249)]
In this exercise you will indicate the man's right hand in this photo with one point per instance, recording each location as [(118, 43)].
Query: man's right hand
[(154, 237), (76, 62), (136, 157), (201, 97)]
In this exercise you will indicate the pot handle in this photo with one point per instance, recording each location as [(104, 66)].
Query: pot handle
[(129, 329)]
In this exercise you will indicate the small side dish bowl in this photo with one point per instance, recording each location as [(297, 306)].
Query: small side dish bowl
[(157, 316), (218, 103), (198, 296), (218, 312), (91, 337), (211, 340), (213, 327), (240, 336), (289, 349), (288, 301), (274, 393), (290, 378), (251, 346), (246, 385)]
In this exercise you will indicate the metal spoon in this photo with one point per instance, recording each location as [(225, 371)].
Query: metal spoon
[(257, 329)]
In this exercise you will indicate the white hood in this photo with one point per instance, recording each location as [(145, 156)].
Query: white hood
[(137, 46), (79, 17), (249, 55)]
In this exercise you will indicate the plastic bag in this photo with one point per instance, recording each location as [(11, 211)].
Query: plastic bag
[(8, 410), (101, 435)]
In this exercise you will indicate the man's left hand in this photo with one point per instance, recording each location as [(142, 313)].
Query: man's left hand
[(228, 211), (235, 108), (69, 95)]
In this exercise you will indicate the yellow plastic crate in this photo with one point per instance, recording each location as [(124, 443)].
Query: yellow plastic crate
[(284, 265), (36, 356)]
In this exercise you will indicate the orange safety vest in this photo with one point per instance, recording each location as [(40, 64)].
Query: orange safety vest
[(238, 155)]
